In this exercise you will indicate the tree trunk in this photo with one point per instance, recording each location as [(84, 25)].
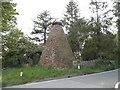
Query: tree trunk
[(45, 36)]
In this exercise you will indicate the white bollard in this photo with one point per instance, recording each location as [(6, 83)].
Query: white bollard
[(21, 74), (117, 85), (78, 66)]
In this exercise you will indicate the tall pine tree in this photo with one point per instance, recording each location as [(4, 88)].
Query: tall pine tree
[(100, 22), (71, 15), (42, 25)]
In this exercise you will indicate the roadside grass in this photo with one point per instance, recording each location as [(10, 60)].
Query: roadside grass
[(0, 80), (11, 76)]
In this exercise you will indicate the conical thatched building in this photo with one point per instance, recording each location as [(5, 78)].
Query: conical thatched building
[(57, 53)]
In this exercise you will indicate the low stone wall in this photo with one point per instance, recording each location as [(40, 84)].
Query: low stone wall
[(84, 63), (88, 63), (92, 63)]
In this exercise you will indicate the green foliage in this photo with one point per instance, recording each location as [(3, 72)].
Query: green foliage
[(10, 34), (90, 39), (71, 15), (8, 16), (77, 35), (117, 50), (79, 59), (9, 44), (117, 38), (100, 43), (106, 48), (13, 61), (117, 9), (24, 51), (11, 38), (102, 17), (101, 21), (42, 26)]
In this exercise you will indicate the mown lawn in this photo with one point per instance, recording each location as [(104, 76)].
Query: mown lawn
[(11, 76)]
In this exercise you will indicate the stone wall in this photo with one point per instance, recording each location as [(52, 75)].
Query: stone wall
[(92, 63), (84, 63), (88, 63)]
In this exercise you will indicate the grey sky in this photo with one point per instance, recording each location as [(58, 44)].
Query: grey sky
[(28, 10)]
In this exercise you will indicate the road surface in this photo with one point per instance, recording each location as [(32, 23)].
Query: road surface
[(99, 80)]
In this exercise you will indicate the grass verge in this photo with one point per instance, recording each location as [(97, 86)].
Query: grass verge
[(11, 76)]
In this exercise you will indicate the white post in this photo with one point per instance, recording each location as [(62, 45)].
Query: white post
[(117, 85), (78, 66), (21, 74)]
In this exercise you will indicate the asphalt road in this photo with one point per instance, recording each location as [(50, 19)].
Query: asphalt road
[(99, 80)]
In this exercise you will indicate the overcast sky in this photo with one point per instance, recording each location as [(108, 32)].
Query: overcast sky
[(29, 9)]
